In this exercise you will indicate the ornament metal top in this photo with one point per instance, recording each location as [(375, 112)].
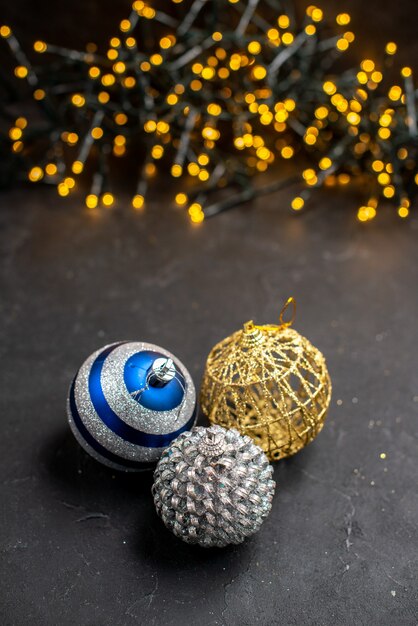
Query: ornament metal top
[(213, 487), (270, 383), (128, 401)]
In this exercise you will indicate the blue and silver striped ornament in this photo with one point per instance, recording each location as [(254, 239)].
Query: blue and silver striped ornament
[(128, 401)]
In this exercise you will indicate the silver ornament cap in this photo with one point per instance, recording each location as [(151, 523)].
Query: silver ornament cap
[(128, 401), (213, 487)]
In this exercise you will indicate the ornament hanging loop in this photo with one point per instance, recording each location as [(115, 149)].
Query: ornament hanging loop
[(289, 302)]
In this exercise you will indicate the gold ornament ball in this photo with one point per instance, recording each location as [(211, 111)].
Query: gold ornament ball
[(270, 383)]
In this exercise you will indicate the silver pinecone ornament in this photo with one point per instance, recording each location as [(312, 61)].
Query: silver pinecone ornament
[(213, 487)]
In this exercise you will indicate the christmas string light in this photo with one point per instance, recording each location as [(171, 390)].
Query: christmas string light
[(215, 92)]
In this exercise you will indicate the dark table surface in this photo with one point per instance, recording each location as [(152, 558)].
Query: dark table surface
[(81, 544)]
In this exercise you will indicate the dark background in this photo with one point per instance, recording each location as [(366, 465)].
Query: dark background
[(82, 545), (74, 23)]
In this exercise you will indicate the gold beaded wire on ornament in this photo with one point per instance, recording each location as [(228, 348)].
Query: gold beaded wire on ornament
[(270, 383)]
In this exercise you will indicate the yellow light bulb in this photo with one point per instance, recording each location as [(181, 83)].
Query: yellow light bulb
[(325, 163), (97, 132), (103, 97), (395, 92), (195, 208), (383, 178), (254, 47), (208, 73), (287, 38), (203, 175), (108, 199), (317, 14), (220, 54), (384, 133), (165, 43), (196, 213), (193, 169), (310, 139), (150, 126), (129, 82), (181, 199), (283, 21), (125, 26), (321, 112), (203, 159), (121, 119), (385, 119), (343, 19), (263, 153), (77, 167), (69, 182), (289, 104), (342, 44), (310, 29), (287, 152), (78, 100), (40, 46), (156, 59), (35, 174), (63, 190), (150, 170), (112, 54), (5, 31), (176, 170), (138, 201), (329, 87), (21, 122), (353, 118), (197, 218), (343, 179), (210, 133), (71, 138), (406, 72), (15, 133), (21, 71), (367, 65), (51, 169), (259, 72), (91, 201), (391, 47), (297, 203), (196, 85), (108, 80), (163, 127), (157, 152), (366, 213), (172, 99), (273, 34), (94, 72), (119, 67), (377, 165)]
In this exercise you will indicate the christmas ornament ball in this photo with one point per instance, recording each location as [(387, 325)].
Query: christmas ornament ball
[(213, 487), (268, 382), (128, 401)]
